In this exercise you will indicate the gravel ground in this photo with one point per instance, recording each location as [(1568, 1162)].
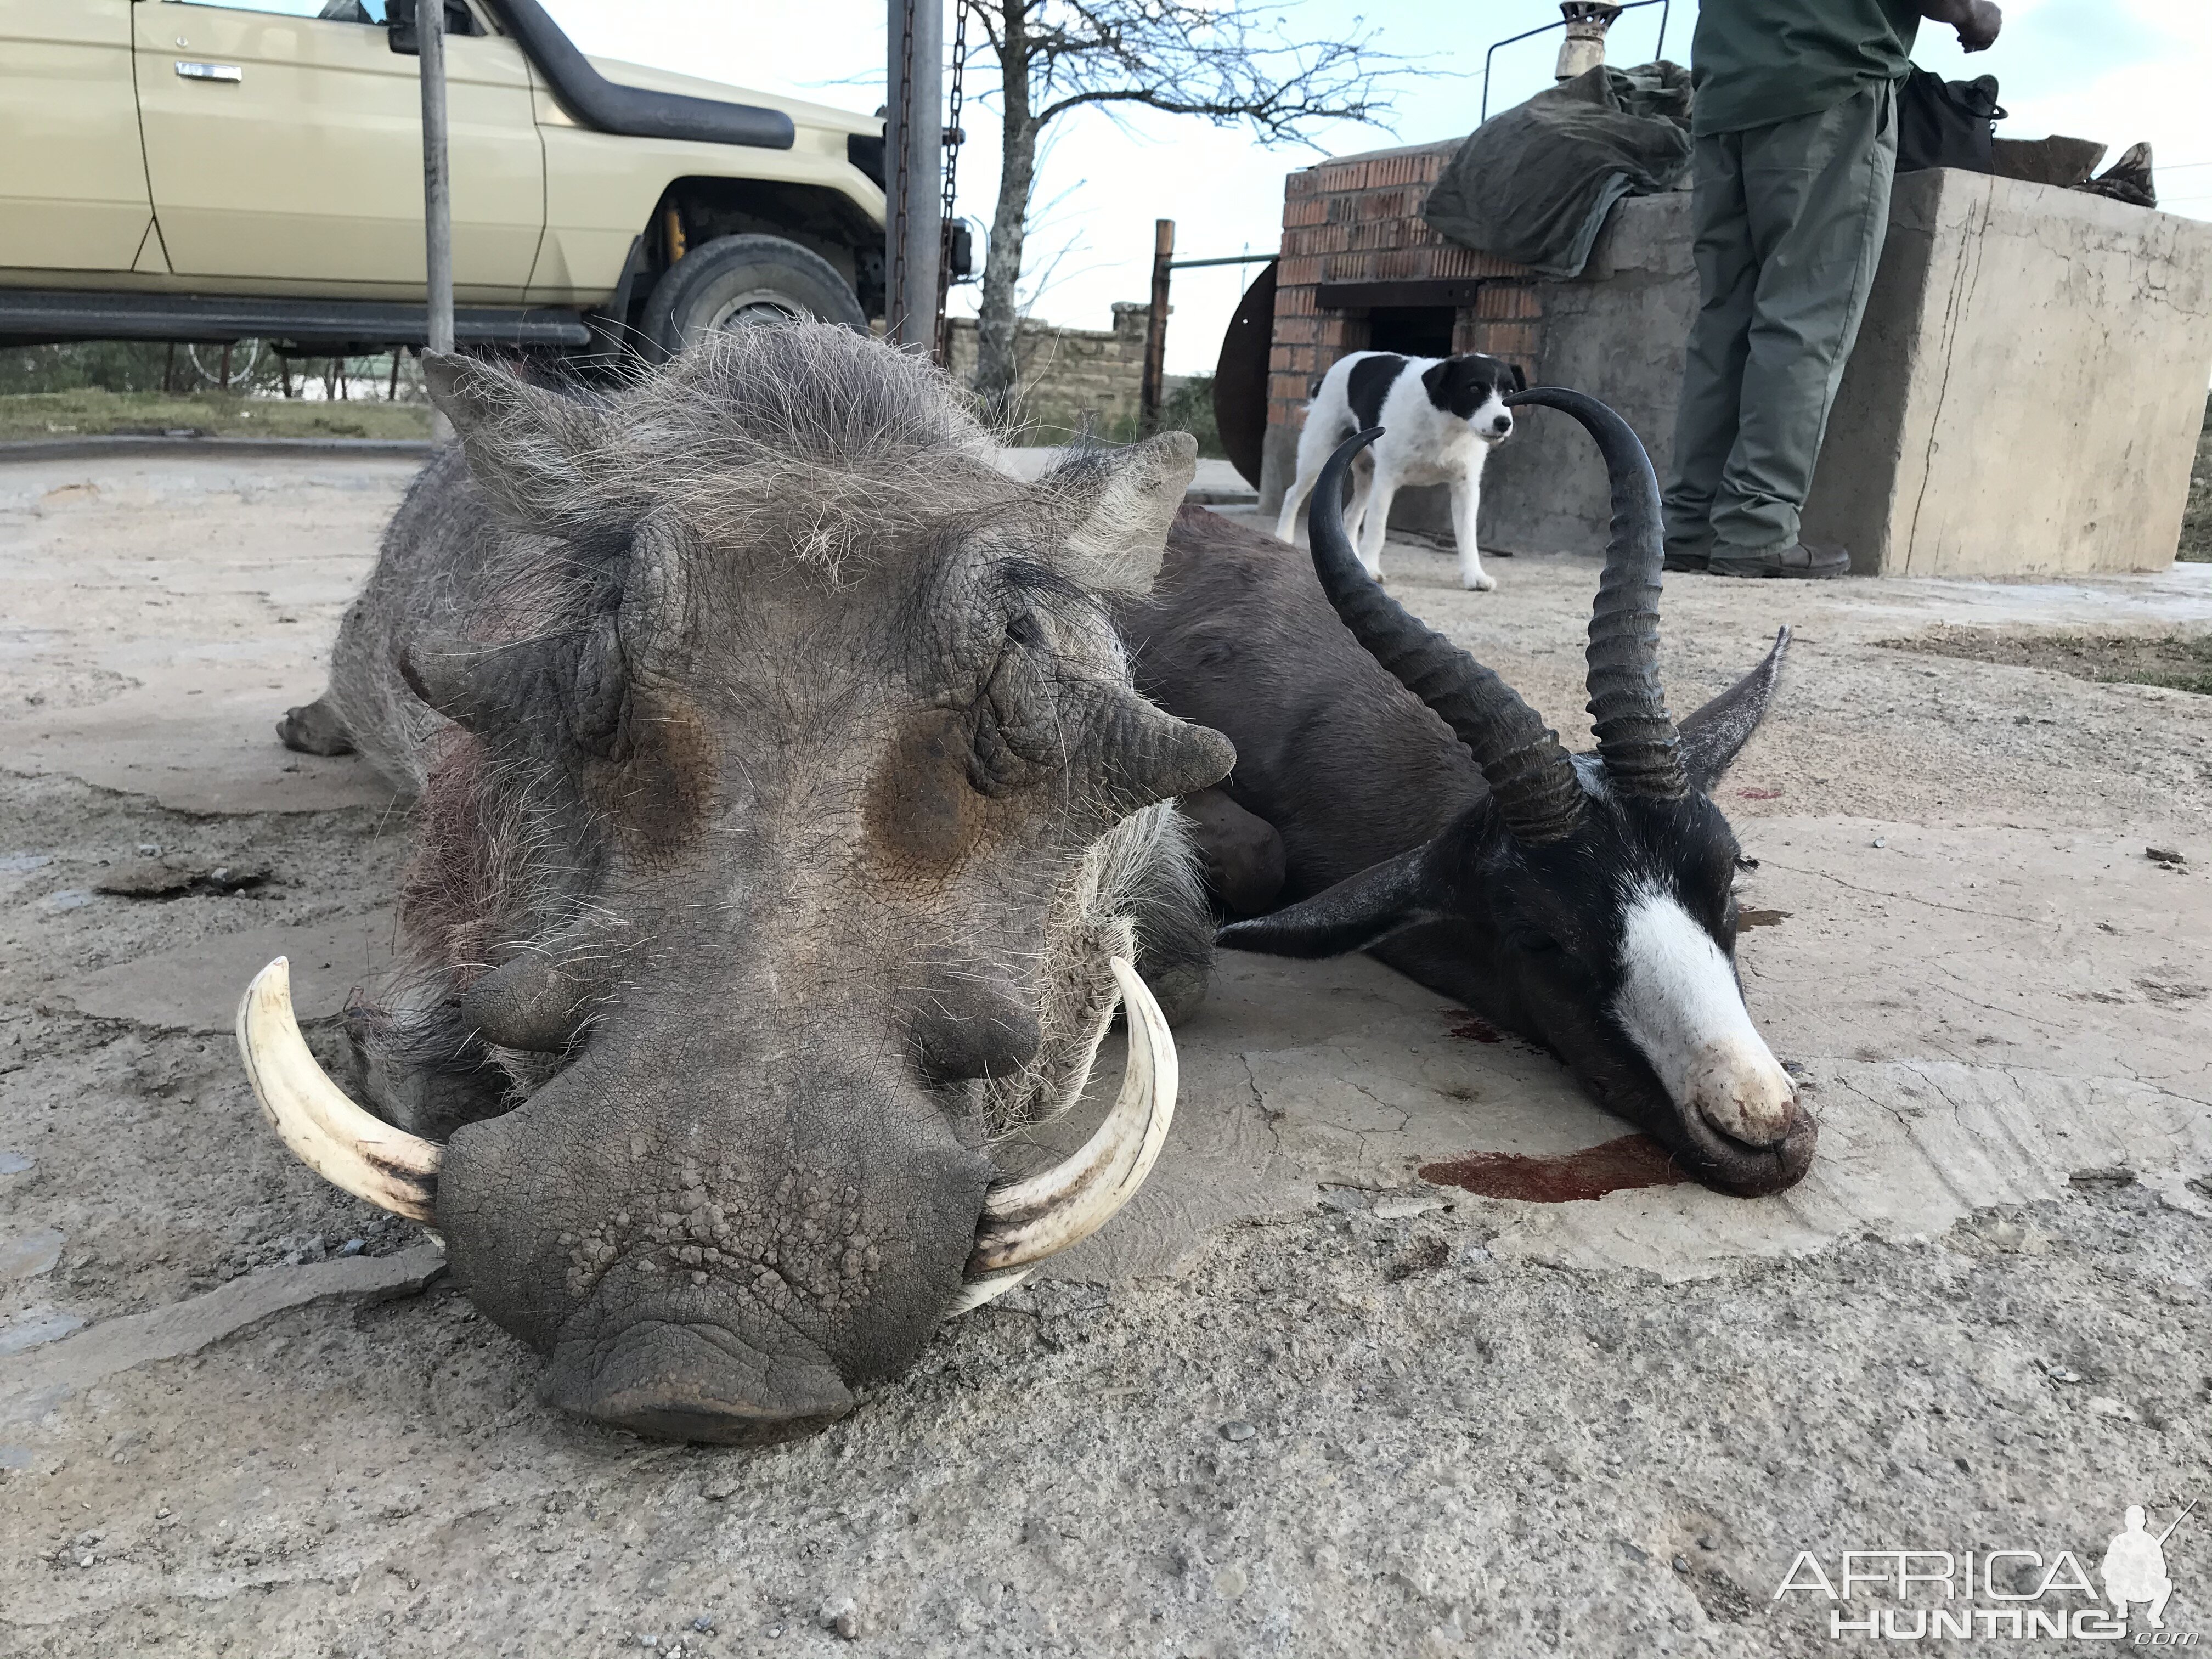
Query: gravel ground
[(2183, 661)]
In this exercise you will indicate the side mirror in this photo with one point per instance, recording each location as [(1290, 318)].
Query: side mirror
[(399, 23)]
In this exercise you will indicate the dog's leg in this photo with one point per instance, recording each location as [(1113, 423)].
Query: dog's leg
[(1316, 440), (1465, 499), (1376, 526), (1286, 527)]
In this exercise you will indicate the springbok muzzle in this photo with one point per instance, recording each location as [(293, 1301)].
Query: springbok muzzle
[(1022, 1222)]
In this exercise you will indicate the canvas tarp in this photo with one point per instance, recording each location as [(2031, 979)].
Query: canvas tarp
[(1534, 184)]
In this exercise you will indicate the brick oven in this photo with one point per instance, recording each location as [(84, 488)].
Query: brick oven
[(1362, 270)]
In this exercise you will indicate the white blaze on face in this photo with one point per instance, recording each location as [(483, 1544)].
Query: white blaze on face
[(1680, 1003), (1493, 422)]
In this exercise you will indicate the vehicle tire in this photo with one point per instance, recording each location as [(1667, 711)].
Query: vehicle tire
[(735, 279)]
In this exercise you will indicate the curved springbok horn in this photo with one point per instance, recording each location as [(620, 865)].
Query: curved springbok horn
[(1028, 1220), (1519, 755), (336, 1138), (1640, 747)]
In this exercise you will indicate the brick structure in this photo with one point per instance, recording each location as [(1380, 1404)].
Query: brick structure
[(1075, 380), (1361, 269)]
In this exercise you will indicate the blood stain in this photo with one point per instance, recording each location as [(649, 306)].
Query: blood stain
[(1615, 1166), (1474, 1027), (1760, 794), (1762, 918)]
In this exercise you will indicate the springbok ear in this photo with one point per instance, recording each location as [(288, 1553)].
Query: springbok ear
[(1119, 502), (1712, 736), (1359, 911), (532, 451)]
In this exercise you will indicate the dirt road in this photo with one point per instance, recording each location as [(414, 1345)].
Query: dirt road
[(1297, 1401)]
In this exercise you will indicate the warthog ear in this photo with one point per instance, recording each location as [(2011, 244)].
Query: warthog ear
[(535, 452), (579, 679), (1119, 503), (1713, 736)]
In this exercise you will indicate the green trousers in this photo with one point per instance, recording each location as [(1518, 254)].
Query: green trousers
[(1790, 219)]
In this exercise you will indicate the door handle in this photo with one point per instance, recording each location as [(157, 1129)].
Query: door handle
[(230, 72)]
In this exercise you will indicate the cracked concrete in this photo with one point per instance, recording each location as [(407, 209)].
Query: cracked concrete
[(1476, 1424)]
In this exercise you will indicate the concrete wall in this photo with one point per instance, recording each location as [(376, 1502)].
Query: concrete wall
[(1617, 332), (2027, 390)]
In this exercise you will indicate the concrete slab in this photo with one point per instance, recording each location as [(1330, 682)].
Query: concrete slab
[(1302, 1075), (106, 554), (1932, 982), (196, 988), (214, 754), (33, 1383)]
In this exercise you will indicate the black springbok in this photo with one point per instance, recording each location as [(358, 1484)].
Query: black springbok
[(1415, 807)]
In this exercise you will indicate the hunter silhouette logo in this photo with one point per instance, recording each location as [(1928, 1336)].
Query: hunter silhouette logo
[(2135, 1566), (2014, 1594)]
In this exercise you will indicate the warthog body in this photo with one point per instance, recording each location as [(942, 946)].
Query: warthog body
[(783, 797)]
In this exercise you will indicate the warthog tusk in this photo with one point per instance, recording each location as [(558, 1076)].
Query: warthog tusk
[(346, 1146), (1028, 1220), (976, 1292)]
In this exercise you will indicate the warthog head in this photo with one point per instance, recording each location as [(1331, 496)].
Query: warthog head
[(793, 828)]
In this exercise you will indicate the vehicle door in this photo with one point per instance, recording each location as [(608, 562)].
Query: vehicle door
[(284, 142), (73, 179)]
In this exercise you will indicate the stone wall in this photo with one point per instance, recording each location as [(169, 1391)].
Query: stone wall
[(1074, 382)]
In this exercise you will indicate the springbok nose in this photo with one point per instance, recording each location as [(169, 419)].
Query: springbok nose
[(1741, 1091)]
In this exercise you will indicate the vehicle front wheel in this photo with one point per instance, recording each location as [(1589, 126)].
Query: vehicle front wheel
[(734, 281)]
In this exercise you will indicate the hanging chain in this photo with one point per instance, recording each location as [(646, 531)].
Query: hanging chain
[(953, 140), (893, 176)]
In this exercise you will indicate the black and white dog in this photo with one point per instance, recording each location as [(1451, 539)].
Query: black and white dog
[(1440, 417)]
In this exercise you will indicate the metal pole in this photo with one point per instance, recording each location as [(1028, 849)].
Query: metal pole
[(913, 163), (437, 189), (1156, 327)]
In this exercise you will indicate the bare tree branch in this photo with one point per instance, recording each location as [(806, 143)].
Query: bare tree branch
[(1227, 63)]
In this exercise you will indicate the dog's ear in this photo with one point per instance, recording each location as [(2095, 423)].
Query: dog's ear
[(1519, 381), (1437, 377)]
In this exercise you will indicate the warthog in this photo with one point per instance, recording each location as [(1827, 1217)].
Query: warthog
[(788, 823)]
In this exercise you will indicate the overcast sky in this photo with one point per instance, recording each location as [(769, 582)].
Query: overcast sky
[(2117, 70)]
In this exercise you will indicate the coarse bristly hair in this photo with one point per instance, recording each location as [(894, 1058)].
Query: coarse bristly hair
[(804, 437)]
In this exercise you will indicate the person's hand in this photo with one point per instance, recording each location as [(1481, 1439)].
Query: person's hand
[(1977, 29)]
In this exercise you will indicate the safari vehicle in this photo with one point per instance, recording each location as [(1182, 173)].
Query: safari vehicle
[(190, 170)]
